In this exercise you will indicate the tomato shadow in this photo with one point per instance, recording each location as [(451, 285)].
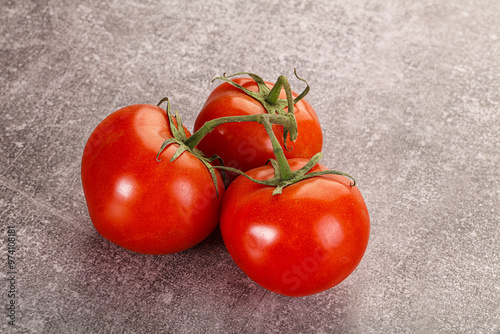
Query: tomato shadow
[(113, 269), (213, 241)]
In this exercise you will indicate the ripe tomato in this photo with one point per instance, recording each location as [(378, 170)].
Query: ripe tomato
[(139, 203), (246, 145), (303, 241)]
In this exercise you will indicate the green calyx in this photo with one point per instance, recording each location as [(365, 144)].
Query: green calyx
[(179, 137), (269, 97), (283, 175), (298, 175)]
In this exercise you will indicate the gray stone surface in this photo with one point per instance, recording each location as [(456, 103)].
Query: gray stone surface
[(408, 95)]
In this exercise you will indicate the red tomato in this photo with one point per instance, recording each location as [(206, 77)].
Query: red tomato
[(301, 242), (246, 145), (139, 203)]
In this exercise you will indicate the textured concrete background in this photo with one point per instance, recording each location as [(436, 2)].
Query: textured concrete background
[(408, 95)]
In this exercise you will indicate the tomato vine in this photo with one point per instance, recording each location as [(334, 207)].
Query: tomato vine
[(280, 111)]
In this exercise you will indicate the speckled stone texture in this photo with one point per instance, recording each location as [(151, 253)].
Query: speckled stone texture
[(408, 95)]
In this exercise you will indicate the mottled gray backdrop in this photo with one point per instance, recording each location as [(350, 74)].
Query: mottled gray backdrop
[(408, 95)]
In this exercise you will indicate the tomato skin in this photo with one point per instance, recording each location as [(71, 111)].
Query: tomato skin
[(246, 145), (301, 242), (141, 204)]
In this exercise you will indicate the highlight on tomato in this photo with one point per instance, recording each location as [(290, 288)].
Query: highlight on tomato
[(143, 199)]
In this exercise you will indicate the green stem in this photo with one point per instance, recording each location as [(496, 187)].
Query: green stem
[(274, 94), (282, 82), (285, 121), (284, 168)]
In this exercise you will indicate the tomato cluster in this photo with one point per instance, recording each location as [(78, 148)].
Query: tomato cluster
[(292, 225)]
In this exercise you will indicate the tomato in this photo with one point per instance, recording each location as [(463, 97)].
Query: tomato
[(246, 145), (303, 241), (137, 202)]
